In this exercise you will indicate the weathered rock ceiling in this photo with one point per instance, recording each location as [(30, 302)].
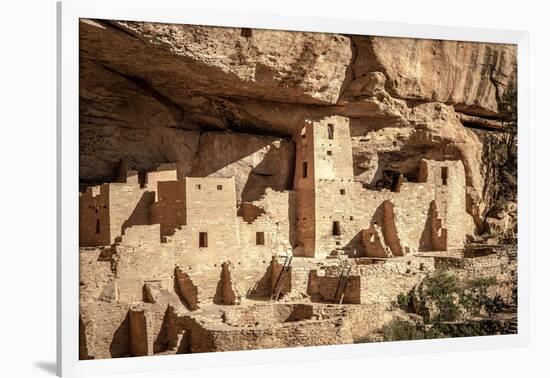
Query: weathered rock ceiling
[(265, 81)]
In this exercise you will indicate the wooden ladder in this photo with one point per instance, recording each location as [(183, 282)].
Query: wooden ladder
[(342, 284), (277, 288)]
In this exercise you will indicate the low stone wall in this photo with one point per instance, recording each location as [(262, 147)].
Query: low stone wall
[(328, 325), (331, 288), (305, 333), (493, 264), (268, 314)]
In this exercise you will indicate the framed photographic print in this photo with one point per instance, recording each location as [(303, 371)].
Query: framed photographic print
[(252, 187)]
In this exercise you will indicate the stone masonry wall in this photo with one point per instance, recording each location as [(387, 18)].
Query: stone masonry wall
[(169, 211), (449, 180), (163, 173), (141, 257), (306, 333), (334, 183), (325, 195), (106, 211), (304, 187), (332, 210), (94, 217), (211, 208), (105, 329), (129, 205), (331, 288), (382, 283), (411, 208), (272, 214)]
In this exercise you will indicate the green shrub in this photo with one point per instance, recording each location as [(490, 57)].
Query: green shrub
[(496, 305), (403, 301), (398, 330), (445, 330), (475, 298), (442, 288), (363, 340)]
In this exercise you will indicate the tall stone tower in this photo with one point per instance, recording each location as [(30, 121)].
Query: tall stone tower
[(324, 185)]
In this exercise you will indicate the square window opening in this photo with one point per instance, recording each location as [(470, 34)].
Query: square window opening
[(444, 175), (203, 240), (330, 129), (219, 187), (260, 238), (246, 32), (336, 228)]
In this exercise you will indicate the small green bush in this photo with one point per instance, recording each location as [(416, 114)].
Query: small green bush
[(475, 298), (496, 305), (364, 340), (398, 330), (443, 289), (403, 301), (445, 330)]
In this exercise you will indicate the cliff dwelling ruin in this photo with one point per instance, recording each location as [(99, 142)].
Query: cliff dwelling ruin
[(232, 205)]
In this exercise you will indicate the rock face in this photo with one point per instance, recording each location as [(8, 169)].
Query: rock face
[(471, 76), (282, 66), (256, 162), (226, 102)]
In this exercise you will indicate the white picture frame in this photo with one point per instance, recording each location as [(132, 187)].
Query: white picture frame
[(69, 12)]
